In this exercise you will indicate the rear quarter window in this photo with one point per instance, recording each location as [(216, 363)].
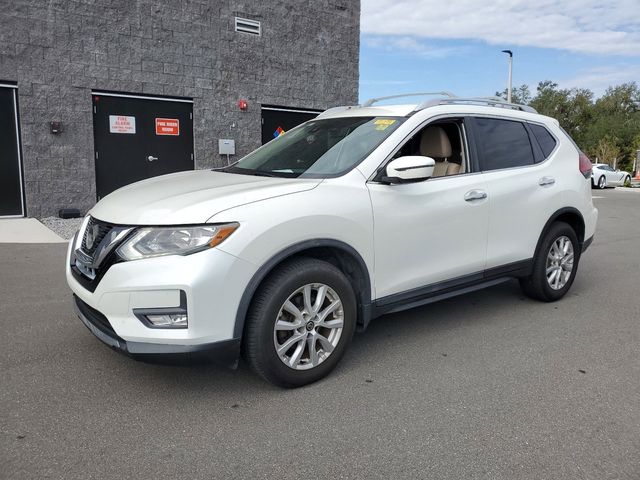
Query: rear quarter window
[(502, 144), (546, 141)]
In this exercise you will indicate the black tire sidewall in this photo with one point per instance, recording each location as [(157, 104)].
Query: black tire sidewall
[(273, 295)]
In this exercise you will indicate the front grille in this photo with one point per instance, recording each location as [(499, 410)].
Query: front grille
[(93, 235), (97, 252)]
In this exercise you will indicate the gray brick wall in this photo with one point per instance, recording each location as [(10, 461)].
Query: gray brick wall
[(59, 50)]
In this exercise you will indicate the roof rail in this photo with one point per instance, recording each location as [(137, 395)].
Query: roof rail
[(371, 101), (489, 101)]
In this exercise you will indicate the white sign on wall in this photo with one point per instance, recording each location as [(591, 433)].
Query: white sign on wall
[(122, 124), (226, 146)]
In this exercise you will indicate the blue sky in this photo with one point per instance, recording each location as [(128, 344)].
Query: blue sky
[(427, 45)]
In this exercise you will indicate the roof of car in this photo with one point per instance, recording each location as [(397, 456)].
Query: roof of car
[(444, 101), (407, 110)]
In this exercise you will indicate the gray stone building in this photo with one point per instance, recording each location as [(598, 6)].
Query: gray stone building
[(63, 63)]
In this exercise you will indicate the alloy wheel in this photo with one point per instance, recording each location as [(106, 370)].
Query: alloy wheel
[(309, 326), (560, 262)]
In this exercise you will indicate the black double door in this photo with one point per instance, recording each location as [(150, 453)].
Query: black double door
[(138, 138), (11, 196), (277, 119)]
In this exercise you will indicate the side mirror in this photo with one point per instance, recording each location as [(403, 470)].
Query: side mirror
[(408, 169)]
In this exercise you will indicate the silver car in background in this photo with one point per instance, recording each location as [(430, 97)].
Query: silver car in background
[(602, 176)]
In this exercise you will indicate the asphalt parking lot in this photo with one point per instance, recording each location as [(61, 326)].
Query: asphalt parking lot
[(490, 385)]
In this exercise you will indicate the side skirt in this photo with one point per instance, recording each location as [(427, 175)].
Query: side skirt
[(450, 288)]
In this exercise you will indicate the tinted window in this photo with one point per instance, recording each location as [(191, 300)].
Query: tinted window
[(545, 139), (503, 144)]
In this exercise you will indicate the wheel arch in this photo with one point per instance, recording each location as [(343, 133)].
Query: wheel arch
[(569, 215), (336, 252)]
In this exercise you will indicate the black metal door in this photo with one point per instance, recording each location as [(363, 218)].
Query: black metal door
[(137, 138), (278, 119), (11, 198)]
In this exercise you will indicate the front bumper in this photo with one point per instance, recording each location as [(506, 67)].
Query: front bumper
[(224, 352), (212, 282)]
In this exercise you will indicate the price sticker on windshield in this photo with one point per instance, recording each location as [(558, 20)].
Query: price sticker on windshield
[(383, 123)]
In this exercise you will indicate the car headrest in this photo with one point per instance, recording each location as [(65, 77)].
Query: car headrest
[(435, 143)]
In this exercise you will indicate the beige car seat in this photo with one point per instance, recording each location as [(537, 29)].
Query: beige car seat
[(435, 143)]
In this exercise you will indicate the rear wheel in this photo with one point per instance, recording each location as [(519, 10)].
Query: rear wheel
[(555, 265), (300, 322)]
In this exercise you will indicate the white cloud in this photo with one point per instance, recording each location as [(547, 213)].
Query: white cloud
[(412, 45), (585, 26), (598, 79), (385, 82)]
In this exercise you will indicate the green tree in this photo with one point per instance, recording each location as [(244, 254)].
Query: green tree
[(617, 115), (520, 95), (607, 150)]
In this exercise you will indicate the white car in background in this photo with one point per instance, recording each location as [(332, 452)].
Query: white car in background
[(603, 176), (362, 211)]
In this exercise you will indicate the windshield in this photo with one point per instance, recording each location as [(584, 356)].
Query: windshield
[(318, 148)]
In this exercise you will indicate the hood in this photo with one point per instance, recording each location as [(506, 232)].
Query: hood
[(191, 197)]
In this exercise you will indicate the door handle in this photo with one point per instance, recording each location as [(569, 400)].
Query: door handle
[(472, 195), (151, 158), (546, 181)]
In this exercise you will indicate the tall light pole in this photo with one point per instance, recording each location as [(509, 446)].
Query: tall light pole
[(510, 53)]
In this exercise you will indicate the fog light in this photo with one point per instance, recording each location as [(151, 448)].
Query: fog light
[(168, 319), (165, 317)]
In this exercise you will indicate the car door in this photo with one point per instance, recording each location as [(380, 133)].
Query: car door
[(522, 185), (429, 231), (614, 176)]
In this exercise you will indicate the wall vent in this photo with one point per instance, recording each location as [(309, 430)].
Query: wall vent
[(245, 25)]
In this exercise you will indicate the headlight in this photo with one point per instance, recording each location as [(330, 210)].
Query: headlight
[(157, 241)]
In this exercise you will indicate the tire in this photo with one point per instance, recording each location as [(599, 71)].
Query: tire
[(627, 180), (538, 286), (602, 183), (289, 282)]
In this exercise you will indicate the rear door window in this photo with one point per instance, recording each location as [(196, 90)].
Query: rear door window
[(502, 144), (545, 139)]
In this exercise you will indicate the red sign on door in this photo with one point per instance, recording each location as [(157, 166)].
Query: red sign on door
[(167, 126)]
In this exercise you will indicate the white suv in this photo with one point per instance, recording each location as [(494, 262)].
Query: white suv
[(360, 212)]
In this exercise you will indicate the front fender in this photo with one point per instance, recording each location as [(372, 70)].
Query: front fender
[(335, 215)]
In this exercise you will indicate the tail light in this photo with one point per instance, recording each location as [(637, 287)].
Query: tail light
[(584, 164)]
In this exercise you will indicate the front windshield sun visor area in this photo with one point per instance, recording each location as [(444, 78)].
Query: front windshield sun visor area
[(318, 148)]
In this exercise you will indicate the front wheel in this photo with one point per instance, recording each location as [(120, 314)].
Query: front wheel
[(555, 265), (602, 182), (300, 322)]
